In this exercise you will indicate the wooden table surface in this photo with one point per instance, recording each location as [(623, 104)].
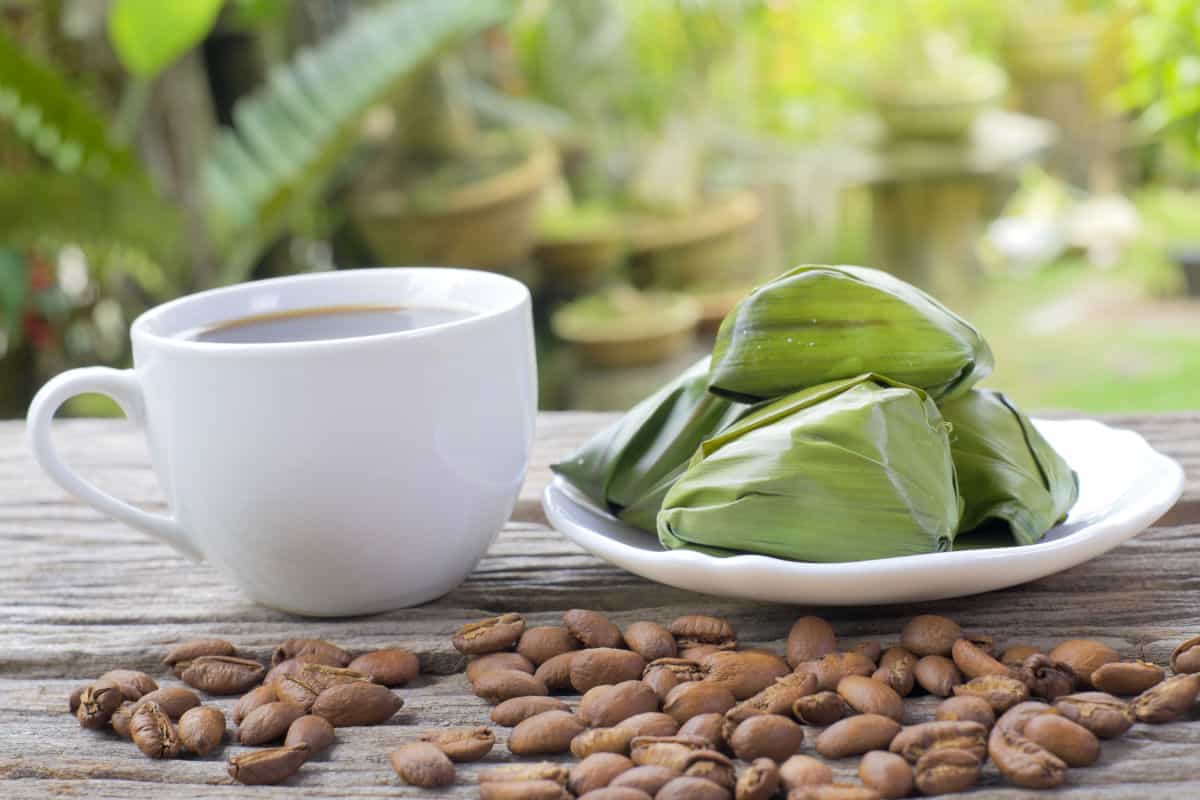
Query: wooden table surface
[(81, 594)]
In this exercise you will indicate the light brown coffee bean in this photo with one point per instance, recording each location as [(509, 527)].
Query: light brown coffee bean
[(872, 649), (1046, 678), (357, 703), (394, 666), (700, 697), (269, 722), (649, 778), (697, 629), (1185, 659), (886, 773), (867, 696), (937, 675), (1000, 691), (698, 652), (258, 696), (653, 723), (777, 698), (689, 788), (555, 673), (711, 766), (1016, 655), (896, 667), (1083, 656), (122, 718), (519, 773), (597, 771), (174, 700), (422, 764), (153, 732), (265, 767), (710, 727), (132, 683), (222, 675), (822, 708), (489, 635), (1071, 742), (946, 771), (478, 665), (834, 791), (803, 770), (312, 732), (602, 740), (759, 781), (73, 700), (593, 629), (303, 688), (201, 729), (497, 685), (283, 669), (809, 639), (856, 735), (930, 635), (1020, 759), (744, 673), (973, 662), (915, 741), (830, 669), (1104, 715), (194, 648), (547, 733), (664, 674), (311, 651), (462, 744), (616, 793), (1168, 700), (981, 640), (97, 703), (1125, 678), (604, 665), (544, 642), (651, 641), (665, 751), (509, 713), (767, 736), (523, 790), (965, 708), (605, 706)]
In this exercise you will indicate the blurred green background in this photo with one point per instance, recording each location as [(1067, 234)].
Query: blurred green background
[(640, 164)]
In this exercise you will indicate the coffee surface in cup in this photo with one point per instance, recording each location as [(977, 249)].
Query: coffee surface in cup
[(325, 322)]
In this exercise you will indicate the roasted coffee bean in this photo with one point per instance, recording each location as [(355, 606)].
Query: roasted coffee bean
[(981, 640), (653, 723), (1000, 691), (649, 778), (965, 708), (886, 773), (777, 698), (258, 696), (357, 703), (523, 790), (872, 649), (915, 741), (700, 697), (201, 729), (822, 708), (264, 767), (511, 712), (391, 667), (97, 703), (153, 732), (422, 764), (282, 670), (1167, 701), (514, 773), (1016, 655), (856, 735), (489, 635), (1185, 659), (555, 673), (759, 781), (478, 665), (689, 788), (896, 670), (497, 685), (617, 793), (711, 727), (547, 733), (1083, 656), (222, 675), (651, 641), (930, 635), (133, 684), (744, 673), (803, 770), (544, 642), (767, 736), (604, 665), (122, 718), (665, 674), (268, 723), (697, 629), (1125, 678), (462, 744), (809, 639), (946, 771), (697, 652), (605, 706), (1020, 759), (1071, 742), (711, 766), (312, 732), (834, 791), (829, 670), (867, 696), (73, 700), (937, 675), (597, 771), (1104, 715), (973, 662), (312, 651), (665, 751), (1046, 678), (194, 648), (303, 688), (174, 700), (593, 629), (603, 740)]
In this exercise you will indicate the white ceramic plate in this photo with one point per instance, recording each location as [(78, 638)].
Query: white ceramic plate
[(1124, 486)]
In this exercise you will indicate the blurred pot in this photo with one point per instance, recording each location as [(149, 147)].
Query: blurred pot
[(1057, 46), (624, 327), (939, 106)]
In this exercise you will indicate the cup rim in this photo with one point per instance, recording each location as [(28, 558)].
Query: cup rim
[(140, 329)]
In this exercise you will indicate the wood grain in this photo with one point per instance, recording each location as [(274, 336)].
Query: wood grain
[(81, 594)]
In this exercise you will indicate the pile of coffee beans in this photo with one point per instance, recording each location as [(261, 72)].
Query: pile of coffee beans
[(291, 710), (668, 712)]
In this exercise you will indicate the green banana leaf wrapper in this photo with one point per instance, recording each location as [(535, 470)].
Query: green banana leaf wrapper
[(818, 323), (634, 461), (1007, 471), (845, 471)]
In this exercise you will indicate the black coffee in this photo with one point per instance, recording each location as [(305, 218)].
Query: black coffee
[(326, 322)]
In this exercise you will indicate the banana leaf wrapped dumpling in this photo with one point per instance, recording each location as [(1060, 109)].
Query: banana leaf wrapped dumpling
[(845, 471), (819, 323), (1007, 471)]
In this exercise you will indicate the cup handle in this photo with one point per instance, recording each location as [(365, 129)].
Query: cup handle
[(122, 386)]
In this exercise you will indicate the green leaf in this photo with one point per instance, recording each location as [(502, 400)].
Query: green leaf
[(149, 34), (13, 285)]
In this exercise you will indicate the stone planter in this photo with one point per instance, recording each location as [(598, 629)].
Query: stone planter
[(653, 328), (710, 247)]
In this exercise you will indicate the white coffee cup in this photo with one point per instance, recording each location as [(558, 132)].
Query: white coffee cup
[(331, 477)]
